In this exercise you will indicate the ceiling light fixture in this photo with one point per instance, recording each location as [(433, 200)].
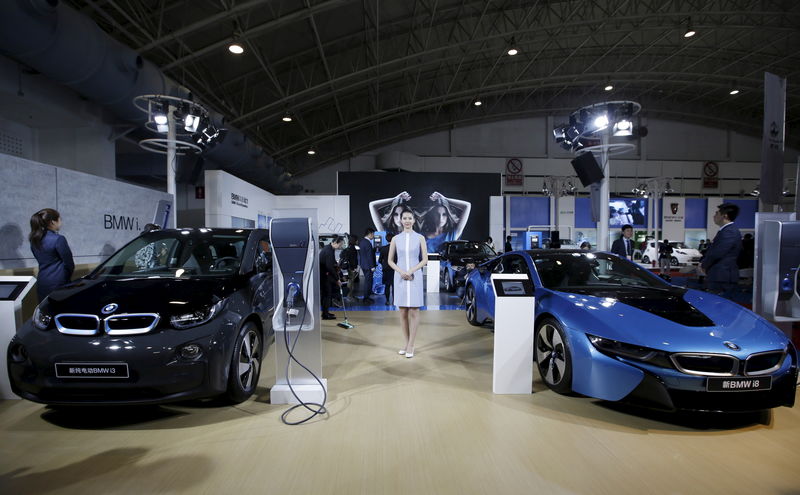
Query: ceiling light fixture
[(287, 117), (236, 48), (512, 47), (734, 91), (609, 87), (311, 151), (477, 103), (689, 29)]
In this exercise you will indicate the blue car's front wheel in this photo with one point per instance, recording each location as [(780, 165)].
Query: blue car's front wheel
[(553, 356), (472, 307)]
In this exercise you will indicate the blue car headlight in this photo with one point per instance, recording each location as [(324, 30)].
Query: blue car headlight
[(616, 348), (41, 316), (197, 317)]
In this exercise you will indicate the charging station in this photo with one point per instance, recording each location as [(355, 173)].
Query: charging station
[(17, 303), (298, 343), (512, 367)]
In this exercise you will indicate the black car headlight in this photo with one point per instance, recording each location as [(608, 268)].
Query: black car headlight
[(457, 268), (197, 317), (616, 348), (41, 317)]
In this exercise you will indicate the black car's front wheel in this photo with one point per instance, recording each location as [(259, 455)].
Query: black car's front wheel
[(245, 363), (448, 283), (553, 356)]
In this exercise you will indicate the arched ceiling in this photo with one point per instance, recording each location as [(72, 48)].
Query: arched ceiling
[(359, 74)]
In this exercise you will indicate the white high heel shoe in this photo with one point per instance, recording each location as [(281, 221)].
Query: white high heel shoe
[(402, 352), (409, 354)]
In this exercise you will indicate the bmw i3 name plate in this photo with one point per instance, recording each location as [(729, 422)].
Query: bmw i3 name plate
[(91, 370), (746, 384)]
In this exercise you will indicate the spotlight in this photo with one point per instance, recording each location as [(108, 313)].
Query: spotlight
[(512, 47), (478, 103), (635, 190), (623, 128), (191, 122), (287, 117), (755, 192), (734, 91), (160, 115), (609, 87), (162, 128), (689, 30), (236, 48), (311, 151), (512, 51), (601, 122)]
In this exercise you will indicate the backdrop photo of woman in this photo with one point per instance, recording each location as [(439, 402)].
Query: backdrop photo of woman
[(445, 221), (386, 212)]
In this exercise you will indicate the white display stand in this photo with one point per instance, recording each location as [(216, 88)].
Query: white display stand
[(13, 290), (514, 307), (432, 282)]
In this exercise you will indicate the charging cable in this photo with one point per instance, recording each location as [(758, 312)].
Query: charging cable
[(292, 290)]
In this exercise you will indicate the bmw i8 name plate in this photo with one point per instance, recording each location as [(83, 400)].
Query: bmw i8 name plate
[(91, 370), (746, 384)]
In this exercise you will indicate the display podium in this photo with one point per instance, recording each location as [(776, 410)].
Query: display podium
[(17, 302), (432, 277), (512, 369)]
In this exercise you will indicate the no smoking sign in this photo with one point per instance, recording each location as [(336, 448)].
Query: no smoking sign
[(514, 174)]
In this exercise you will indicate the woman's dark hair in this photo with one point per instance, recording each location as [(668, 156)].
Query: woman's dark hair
[(40, 221), (430, 221)]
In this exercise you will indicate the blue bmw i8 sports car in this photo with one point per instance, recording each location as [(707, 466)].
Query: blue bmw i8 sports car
[(609, 329)]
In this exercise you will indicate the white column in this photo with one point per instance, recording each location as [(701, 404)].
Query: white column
[(602, 226), (172, 164)]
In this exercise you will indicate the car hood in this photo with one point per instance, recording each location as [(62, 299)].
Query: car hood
[(137, 295), (674, 320)]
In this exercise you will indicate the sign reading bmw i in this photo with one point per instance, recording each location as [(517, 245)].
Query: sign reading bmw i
[(109, 308)]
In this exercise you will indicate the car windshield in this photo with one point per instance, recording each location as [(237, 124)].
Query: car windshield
[(591, 270), (678, 245), (176, 254), (470, 249)]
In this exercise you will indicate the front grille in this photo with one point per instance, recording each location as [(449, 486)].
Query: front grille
[(764, 363), (706, 364), (77, 324), (131, 324)]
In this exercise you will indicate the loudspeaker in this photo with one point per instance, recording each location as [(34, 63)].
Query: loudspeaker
[(587, 168)]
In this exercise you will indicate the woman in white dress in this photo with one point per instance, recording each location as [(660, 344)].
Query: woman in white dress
[(411, 253)]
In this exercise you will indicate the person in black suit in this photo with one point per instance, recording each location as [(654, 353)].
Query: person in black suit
[(388, 273), (329, 275), (51, 251), (366, 262), (507, 246), (624, 245), (719, 263)]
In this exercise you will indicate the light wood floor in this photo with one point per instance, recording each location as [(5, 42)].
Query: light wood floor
[(428, 425)]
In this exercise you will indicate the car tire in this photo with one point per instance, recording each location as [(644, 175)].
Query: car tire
[(245, 367), (674, 261), (553, 356), (472, 307), (448, 284), (646, 259)]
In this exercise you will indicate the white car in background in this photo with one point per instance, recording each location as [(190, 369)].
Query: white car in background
[(681, 255)]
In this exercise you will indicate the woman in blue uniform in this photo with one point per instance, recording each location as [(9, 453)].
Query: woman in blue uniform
[(51, 251), (410, 250)]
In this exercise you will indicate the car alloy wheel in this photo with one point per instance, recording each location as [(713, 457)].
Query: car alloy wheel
[(472, 307), (448, 285), (245, 364), (674, 261), (645, 259), (553, 357)]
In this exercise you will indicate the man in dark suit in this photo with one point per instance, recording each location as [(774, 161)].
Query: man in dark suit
[(328, 275), (366, 262), (719, 263), (624, 245), (386, 270)]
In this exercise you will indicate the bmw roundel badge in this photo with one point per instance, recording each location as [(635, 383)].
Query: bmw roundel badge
[(731, 346), (109, 308)]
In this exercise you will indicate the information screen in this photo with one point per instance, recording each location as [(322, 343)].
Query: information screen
[(511, 287), (10, 290)]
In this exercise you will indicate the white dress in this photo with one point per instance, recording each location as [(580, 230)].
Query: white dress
[(408, 293)]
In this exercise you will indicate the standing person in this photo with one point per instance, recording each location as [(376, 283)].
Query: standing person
[(490, 242), (586, 245), (329, 276), (719, 263), (507, 246), (349, 261), (411, 252), (624, 245), (665, 257), (366, 262), (51, 251), (386, 270)]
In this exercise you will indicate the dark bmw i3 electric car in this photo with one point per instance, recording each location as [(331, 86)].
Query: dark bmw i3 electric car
[(458, 258), (174, 315)]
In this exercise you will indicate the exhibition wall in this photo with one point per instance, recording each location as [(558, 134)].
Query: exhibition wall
[(232, 202), (100, 215)]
